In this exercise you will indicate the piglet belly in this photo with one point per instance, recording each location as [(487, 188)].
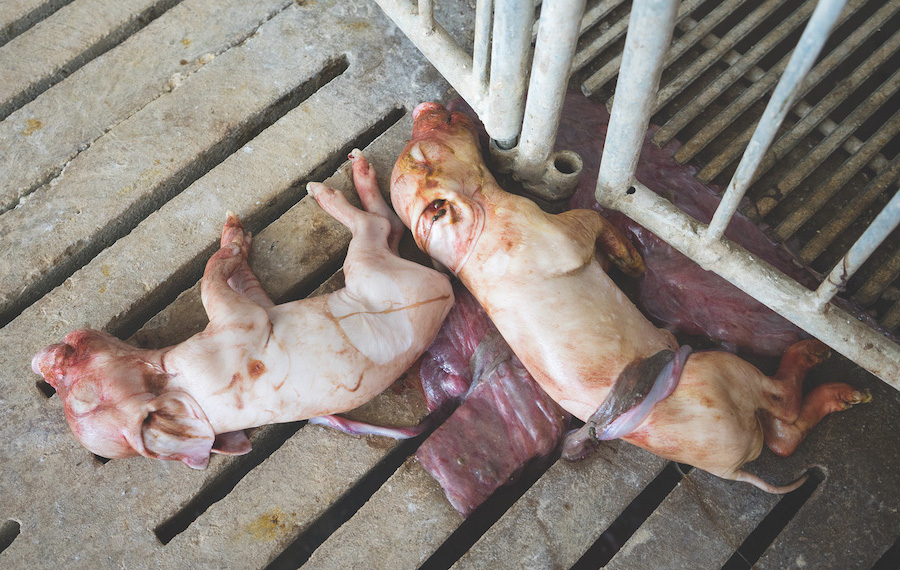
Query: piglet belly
[(324, 373), (575, 334)]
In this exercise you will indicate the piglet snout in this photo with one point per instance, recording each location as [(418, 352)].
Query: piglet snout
[(426, 107), (51, 363)]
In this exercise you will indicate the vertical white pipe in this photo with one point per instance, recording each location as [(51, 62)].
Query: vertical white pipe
[(513, 20), (426, 15), (885, 222), (483, 10), (649, 33), (557, 37), (803, 58)]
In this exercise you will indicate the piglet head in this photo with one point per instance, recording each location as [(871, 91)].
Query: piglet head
[(116, 401), (436, 184)]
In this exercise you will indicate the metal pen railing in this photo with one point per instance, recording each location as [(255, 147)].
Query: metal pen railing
[(528, 150)]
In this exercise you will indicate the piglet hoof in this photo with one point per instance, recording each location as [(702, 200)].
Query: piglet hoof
[(855, 397), (814, 351)]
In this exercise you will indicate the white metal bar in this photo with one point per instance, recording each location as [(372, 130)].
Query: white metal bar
[(808, 48), (649, 32), (850, 212), (482, 41), (513, 20), (426, 15), (883, 224), (835, 327), (441, 49), (825, 148), (557, 37), (611, 68)]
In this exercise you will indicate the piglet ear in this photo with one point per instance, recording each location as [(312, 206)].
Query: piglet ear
[(176, 428), (232, 443)]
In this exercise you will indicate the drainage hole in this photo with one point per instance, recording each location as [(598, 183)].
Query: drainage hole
[(8, 533), (768, 530), (99, 459)]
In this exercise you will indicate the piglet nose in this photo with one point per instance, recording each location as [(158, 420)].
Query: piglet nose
[(50, 363), (427, 106), (36, 361)]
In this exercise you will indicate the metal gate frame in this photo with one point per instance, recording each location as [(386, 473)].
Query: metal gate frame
[(523, 132)]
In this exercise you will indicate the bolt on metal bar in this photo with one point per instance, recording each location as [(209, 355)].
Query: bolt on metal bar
[(835, 327), (811, 42), (814, 202), (482, 41), (649, 32), (557, 36), (883, 224), (849, 213), (509, 70), (611, 68), (761, 85)]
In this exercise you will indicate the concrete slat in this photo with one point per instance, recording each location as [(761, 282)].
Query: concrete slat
[(700, 524), (19, 15), (39, 139), (409, 510), (114, 507), (63, 42), (565, 512), (115, 180)]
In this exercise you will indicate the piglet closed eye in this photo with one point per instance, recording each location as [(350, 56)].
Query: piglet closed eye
[(257, 362)]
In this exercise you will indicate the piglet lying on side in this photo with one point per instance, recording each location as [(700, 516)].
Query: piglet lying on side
[(541, 278), (256, 362)]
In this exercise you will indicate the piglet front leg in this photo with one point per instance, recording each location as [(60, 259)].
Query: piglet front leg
[(229, 289)]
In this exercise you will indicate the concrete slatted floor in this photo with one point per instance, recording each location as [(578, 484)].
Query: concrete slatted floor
[(129, 128)]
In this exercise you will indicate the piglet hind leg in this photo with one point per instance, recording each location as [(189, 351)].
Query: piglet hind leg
[(789, 415), (229, 290), (371, 198)]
